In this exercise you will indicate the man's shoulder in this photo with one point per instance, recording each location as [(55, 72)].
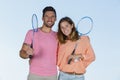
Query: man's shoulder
[(54, 32), (30, 30)]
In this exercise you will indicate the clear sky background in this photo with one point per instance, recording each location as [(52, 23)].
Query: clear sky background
[(15, 20)]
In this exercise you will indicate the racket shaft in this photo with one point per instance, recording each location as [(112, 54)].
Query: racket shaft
[(71, 54)]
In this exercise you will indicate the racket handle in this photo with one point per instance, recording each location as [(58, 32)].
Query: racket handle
[(30, 56), (31, 45), (71, 54), (69, 61)]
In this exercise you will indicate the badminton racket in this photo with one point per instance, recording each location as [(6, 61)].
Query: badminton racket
[(35, 29)]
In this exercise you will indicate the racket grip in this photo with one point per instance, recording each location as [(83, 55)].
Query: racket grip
[(69, 61), (31, 45), (30, 56)]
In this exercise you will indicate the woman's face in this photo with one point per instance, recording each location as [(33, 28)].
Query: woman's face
[(66, 28)]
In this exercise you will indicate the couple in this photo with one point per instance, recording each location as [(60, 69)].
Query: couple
[(51, 49)]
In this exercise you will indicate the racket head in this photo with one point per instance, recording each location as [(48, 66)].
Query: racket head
[(34, 22), (84, 25), (34, 26)]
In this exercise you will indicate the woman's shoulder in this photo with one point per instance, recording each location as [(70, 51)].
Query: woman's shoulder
[(84, 38)]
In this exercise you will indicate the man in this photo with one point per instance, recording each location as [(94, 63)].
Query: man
[(43, 62)]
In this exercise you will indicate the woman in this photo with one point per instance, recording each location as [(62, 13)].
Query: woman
[(74, 52)]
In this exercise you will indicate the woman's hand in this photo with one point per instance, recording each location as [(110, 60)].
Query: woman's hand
[(80, 56)]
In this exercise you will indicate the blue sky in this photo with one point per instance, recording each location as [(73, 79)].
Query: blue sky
[(15, 20)]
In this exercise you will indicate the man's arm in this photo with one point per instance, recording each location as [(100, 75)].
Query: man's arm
[(25, 51)]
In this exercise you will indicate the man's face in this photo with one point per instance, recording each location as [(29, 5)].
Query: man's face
[(49, 19)]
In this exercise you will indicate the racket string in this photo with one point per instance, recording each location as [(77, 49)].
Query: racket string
[(86, 23)]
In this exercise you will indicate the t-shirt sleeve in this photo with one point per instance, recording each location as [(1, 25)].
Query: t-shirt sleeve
[(28, 37)]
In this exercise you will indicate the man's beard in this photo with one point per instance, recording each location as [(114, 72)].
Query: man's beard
[(49, 26)]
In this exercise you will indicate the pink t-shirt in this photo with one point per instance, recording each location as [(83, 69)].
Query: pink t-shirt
[(43, 62)]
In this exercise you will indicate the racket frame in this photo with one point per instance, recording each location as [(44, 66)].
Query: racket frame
[(91, 21)]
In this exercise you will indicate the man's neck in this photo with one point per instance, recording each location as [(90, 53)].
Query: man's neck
[(45, 29)]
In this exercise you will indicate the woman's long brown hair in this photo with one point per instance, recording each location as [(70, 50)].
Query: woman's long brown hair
[(74, 34)]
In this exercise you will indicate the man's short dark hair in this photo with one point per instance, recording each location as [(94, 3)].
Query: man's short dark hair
[(48, 8)]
